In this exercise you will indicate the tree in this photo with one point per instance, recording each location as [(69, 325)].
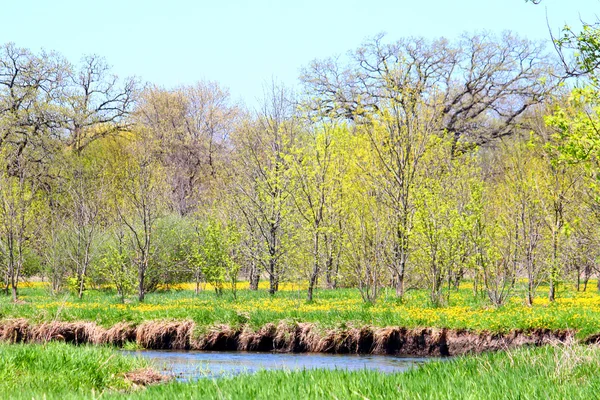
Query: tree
[(575, 140), (479, 86), (139, 203), (525, 183), (86, 197), (442, 223), (316, 181), (96, 103), (366, 234), (579, 52), (30, 120), (261, 190), (191, 126), (116, 261)]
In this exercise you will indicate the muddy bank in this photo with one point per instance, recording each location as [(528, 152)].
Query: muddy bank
[(283, 337)]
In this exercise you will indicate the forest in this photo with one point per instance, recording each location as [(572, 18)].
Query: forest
[(411, 164)]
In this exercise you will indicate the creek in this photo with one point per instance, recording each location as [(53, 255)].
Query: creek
[(192, 365)]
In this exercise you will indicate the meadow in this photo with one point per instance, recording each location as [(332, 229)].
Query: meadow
[(573, 310), (63, 371)]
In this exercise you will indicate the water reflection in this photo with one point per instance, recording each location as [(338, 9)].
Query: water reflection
[(189, 365)]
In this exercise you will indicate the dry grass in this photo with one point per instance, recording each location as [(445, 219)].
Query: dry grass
[(146, 377), (284, 337), (164, 335)]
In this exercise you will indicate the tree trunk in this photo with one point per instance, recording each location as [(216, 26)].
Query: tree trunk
[(530, 292), (82, 282), (312, 281), (254, 276), (315, 272), (197, 277), (272, 278), (14, 293), (554, 271), (400, 284), (141, 276)]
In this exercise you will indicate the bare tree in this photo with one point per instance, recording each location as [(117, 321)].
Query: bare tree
[(480, 85), (192, 125), (97, 103), (86, 191), (140, 204)]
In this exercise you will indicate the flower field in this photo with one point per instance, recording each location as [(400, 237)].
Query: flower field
[(579, 311)]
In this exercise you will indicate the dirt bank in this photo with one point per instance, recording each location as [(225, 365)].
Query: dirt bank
[(284, 337)]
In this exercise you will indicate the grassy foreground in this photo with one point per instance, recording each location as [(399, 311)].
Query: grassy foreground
[(331, 309), (539, 373), (59, 371)]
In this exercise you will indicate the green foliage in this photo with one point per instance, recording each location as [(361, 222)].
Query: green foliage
[(115, 264), (213, 251)]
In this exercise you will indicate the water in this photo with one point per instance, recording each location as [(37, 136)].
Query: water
[(191, 365)]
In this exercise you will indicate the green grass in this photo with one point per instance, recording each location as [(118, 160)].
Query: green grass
[(539, 373), (331, 308), (60, 371)]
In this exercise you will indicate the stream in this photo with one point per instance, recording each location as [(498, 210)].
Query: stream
[(192, 365)]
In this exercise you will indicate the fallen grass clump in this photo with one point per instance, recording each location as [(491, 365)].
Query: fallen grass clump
[(62, 371), (550, 372)]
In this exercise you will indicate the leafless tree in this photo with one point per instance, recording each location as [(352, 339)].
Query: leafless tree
[(480, 84), (192, 126), (97, 103)]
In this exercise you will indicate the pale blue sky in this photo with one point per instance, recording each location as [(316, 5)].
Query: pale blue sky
[(244, 44)]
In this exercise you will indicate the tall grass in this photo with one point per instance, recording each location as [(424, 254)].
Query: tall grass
[(535, 373), (61, 371)]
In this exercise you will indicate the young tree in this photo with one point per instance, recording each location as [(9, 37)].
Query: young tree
[(524, 183), (316, 182), (116, 262), (261, 187), (442, 225), (84, 210), (139, 202)]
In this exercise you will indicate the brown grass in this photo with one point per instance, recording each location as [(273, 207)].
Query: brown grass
[(70, 332), (165, 335), (118, 334), (145, 377), (284, 337), (14, 330)]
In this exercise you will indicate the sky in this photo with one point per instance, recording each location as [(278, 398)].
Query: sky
[(245, 45)]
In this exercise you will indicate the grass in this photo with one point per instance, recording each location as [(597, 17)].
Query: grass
[(60, 371), (332, 308), (552, 372)]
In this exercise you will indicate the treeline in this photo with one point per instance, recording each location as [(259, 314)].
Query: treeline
[(412, 164)]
